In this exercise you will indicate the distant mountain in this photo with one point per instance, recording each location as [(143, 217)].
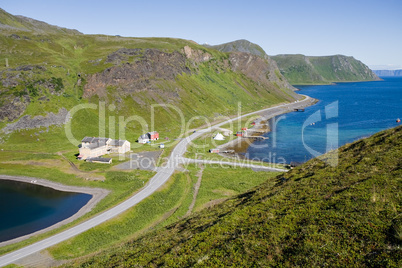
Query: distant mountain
[(241, 46), (20, 23), (388, 72), (300, 69)]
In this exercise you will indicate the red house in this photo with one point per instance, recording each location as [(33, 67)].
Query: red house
[(153, 136), (243, 128)]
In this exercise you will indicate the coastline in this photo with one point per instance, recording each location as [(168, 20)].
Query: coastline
[(240, 145), (97, 195)]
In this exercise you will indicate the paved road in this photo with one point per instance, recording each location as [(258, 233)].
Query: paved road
[(157, 181)]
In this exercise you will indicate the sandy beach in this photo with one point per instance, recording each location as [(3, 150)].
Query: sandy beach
[(240, 145), (97, 195)]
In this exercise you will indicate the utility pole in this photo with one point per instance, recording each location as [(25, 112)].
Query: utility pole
[(7, 62)]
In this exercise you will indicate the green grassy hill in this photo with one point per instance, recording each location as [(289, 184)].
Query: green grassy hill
[(45, 68), (314, 215), (300, 69)]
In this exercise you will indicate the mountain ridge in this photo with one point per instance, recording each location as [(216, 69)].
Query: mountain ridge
[(299, 69), (21, 23)]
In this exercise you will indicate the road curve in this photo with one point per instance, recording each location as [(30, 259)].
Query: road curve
[(161, 177)]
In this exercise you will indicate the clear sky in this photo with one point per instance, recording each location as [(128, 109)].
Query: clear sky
[(369, 30)]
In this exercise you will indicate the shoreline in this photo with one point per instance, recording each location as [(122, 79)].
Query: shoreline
[(240, 145), (97, 195)]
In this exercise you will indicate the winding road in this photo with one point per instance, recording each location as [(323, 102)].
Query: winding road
[(162, 176)]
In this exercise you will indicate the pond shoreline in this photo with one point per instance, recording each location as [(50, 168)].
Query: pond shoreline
[(97, 195)]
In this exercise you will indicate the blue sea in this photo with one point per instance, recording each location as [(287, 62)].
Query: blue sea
[(345, 113)]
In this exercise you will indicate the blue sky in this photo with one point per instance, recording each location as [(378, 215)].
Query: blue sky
[(369, 30)]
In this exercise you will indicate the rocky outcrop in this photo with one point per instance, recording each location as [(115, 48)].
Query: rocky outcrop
[(196, 55), (143, 74), (13, 107), (261, 70), (26, 122)]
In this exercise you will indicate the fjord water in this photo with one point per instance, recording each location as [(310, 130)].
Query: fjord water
[(26, 208), (345, 112)]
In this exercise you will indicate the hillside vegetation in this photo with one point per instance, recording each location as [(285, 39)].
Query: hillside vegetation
[(300, 70), (45, 68), (314, 215)]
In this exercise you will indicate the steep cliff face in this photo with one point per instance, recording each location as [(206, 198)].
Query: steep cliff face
[(258, 69), (300, 69), (263, 68)]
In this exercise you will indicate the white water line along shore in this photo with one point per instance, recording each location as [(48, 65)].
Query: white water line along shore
[(160, 178)]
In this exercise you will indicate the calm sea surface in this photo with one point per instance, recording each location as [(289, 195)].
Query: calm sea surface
[(26, 208), (345, 112)]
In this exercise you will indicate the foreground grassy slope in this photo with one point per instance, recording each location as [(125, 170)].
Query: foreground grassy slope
[(315, 215), (299, 69)]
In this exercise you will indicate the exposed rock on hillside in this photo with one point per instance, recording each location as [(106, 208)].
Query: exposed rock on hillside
[(13, 107), (140, 75), (196, 55), (26, 122), (258, 69)]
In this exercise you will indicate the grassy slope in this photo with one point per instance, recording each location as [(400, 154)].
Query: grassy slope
[(315, 215), (166, 206), (300, 69), (208, 92)]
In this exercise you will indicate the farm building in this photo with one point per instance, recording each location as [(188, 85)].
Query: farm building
[(153, 136), (93, 147), (150, 136)]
